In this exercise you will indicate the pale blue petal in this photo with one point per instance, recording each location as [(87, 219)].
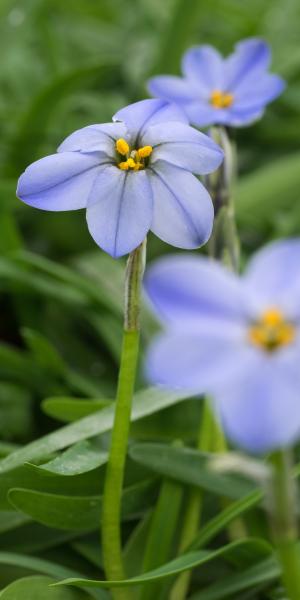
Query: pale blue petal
[(251, 57), (60, 181), (238, 118), (145, 113), (120, 212), (273, 276), (203, 65), (183, 211), (202, 114), (197, 362), (260, 408), (257, 94), (186, 288), (95, 138), (184, 147), (171, 88)]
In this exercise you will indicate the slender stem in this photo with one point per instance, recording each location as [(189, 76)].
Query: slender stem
[(224, 242), (111, 510), (192, 514), (223, 245), (282, 504)]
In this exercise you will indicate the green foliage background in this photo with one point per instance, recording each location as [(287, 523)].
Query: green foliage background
[(65, 65)]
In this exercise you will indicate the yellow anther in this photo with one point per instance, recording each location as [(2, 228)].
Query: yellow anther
[(131, 163), (219, 99), (135, 158), (273, 316), (272, 331), (124, 166), (145, 151), (122, 147)]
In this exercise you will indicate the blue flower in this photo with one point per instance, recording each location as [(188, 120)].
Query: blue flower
[(231, 91), (236, 339), (132, 175)]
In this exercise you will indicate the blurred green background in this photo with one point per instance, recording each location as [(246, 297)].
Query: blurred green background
[(68, 64)]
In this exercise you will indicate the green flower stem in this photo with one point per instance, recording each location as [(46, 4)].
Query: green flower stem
[(192, 514), (223, 245), (111, 510), (224, 242), (282, 505)]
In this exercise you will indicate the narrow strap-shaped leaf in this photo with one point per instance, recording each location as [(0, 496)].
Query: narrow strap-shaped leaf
[(79, 513), (189, 466), (161, 534), (264, 572), (178, 565), (146, 402)]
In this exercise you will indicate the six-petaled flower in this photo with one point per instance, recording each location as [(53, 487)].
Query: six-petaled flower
[(236, 339), (132, 175), (232, 91)]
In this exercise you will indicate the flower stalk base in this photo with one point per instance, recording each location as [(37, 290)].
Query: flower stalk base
[(282, 505), (111, 510)]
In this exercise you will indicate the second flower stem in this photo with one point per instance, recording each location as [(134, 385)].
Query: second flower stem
[(112, 496), (223, 245), (284, 522)]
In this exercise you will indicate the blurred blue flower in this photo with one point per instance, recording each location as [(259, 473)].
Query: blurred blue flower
[(131, 175), (236, 339), (232, 91)]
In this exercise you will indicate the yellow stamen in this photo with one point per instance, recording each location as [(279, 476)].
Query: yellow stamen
[(131, 163), (220, 99), (145, 151), (122, 147), (135, 158), (272, 331), (124, 166)]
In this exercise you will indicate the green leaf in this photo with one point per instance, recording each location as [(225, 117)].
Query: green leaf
[(37, 479), (11, 520), (226, 516), (44, 567), (190, 467), (178, 35), (161, 534), (34, 564), (265, 572), (96, 279), (10, 238), (180, 564), (71, 409), (80, 458), (15, 411), (38, 588), (34, 538), (43, 351), (79, 513), (146, 402), (275, 185), (135, 546), (26, 145)]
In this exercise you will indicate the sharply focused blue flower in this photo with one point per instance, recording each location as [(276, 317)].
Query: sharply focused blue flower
[(131, 175), (236, 339), (231, 91)]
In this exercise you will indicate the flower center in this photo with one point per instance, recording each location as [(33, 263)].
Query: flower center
[(135, 159), (272, 331), (219, 99)]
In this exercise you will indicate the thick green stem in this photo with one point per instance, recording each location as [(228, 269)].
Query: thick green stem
[(111, 510), (282, 504)]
